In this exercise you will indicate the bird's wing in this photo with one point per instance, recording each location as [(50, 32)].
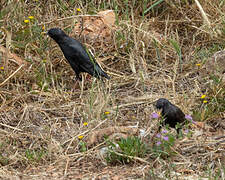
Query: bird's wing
[(180, 115), (176, 114), (85, 60)]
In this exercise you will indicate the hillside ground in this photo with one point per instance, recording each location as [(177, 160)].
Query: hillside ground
[(155, 49)]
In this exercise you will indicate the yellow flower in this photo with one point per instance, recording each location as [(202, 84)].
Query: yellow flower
[(2, 68), (26, 21), (31, 17), (203, 96), (205, 101), (80, 137), (198, 65), (107, 112), (85, 123), (43, 27), (78, 9), (159, 113)]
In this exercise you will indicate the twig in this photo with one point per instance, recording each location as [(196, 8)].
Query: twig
[(203, 13), (10, 127), (70, 17), (11, 75), (66, 168), (131, 157), (130, 104)]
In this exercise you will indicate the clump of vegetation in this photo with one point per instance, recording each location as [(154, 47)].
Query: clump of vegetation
[(164, 143), (211, 104), (126, 150)]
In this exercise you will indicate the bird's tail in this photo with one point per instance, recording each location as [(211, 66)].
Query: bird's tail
[(105, 75), (100, 73)]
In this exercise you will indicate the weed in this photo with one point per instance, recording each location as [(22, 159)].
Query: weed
[(122, 151), (4, 160), (164, 144), (83, 146), (35, 156), (212, 104)]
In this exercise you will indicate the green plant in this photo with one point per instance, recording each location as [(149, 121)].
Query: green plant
[(211, 105), (177, 48), (83, 147), (4, 160), (164, 144), (152, 6), (35, 155), (124, 150)]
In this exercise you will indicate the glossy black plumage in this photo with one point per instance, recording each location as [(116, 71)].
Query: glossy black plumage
[(171, 113), (79, 59)]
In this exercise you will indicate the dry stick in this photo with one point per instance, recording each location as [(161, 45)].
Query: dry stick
[(70, 17), (86, 153), (6, 132), (10, 127), (131, 157), (179, 21), (66, 168), (114, 74), (179, 154), (11, 75), (3, 100), (145, 32), (203, 13), (201, 146), (22, 116), (130, 104)]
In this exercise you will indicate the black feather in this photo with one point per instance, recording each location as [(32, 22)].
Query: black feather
[(78, 57), (171, 113)]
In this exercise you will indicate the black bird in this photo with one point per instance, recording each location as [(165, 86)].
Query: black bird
[(171, 113), (78, 57)]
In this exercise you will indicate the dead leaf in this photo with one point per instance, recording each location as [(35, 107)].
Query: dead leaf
[(12, 56), (97, 29), (97, 136), (199, 125), (108, 17)]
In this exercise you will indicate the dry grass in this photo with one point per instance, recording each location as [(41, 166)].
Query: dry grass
[(150, 56)]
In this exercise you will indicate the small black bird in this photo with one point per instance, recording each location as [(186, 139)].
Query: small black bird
[(171, 113), (79, 59)]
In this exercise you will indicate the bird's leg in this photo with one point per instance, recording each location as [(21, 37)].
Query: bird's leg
[(88, 77), (76, 84), (82, 86)]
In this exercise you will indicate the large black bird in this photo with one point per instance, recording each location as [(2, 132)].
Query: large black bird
[(78, 57), (171, 113)]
